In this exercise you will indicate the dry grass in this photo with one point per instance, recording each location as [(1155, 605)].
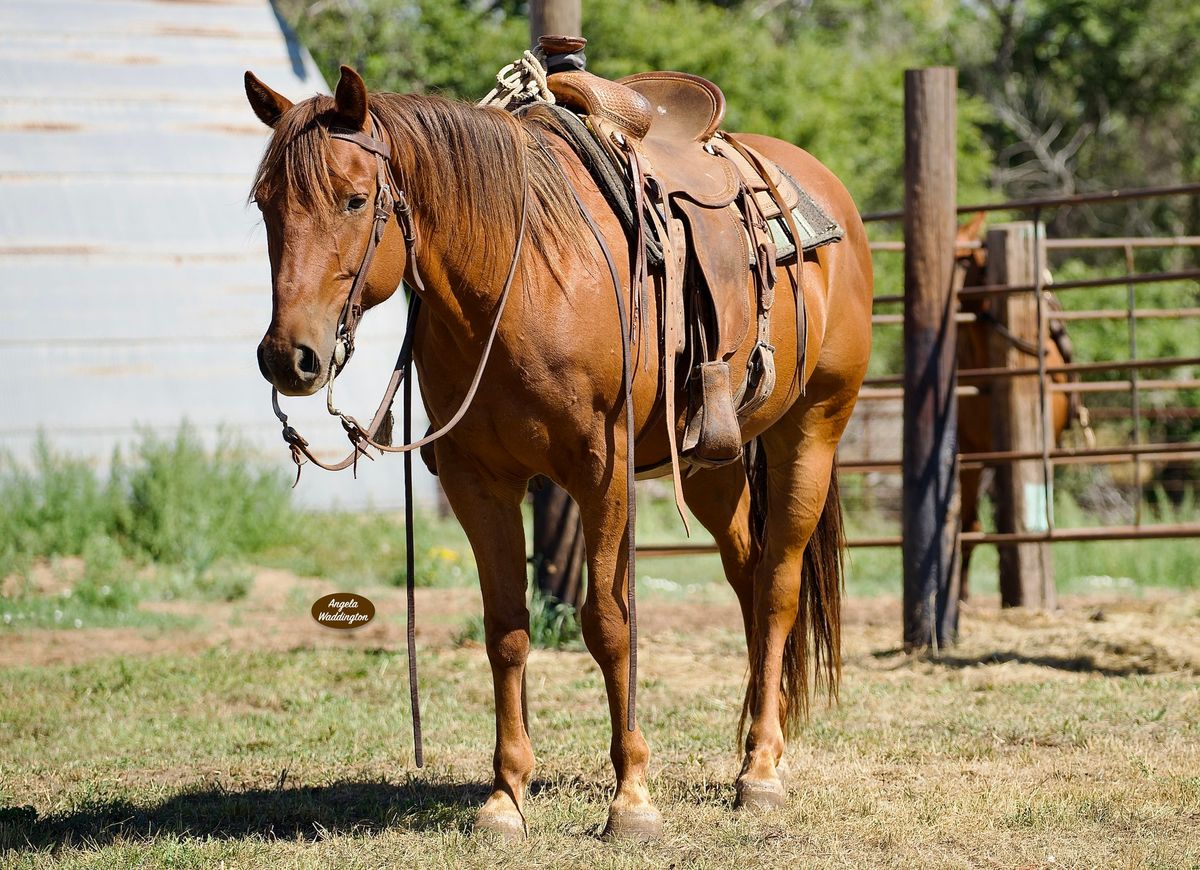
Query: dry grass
[(1066, 740)]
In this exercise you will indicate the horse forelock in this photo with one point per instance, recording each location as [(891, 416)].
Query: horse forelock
[(458, 165), (297, 157)]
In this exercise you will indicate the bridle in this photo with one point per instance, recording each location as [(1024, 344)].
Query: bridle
[(376, 434), (386, 204)]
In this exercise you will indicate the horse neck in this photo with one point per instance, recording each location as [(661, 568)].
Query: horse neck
[(461, 281)]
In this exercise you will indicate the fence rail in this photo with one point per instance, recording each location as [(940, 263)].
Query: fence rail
[(1016, 268)]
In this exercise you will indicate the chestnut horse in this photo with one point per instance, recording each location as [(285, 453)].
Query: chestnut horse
[(552, 395), (975, 412)]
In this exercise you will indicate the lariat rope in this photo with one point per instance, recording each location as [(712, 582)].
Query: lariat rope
[(523, 79)]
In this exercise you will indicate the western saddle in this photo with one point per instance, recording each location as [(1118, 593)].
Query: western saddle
[(723, 217)]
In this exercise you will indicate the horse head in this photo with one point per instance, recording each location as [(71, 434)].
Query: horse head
[(316, 188), (971, 257)]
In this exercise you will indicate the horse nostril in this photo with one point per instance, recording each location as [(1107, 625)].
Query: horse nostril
[(307, 363), (262, 363)]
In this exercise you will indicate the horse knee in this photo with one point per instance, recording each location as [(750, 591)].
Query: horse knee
[(507, 641), (604, 633)]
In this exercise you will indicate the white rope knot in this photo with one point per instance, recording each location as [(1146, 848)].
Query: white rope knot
[(523, 79)]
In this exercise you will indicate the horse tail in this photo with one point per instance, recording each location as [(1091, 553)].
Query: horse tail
[(814, 645)]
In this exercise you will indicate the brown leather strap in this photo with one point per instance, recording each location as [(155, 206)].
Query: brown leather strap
[(361, 139), (410, 576), (796, 281), (637, 286)]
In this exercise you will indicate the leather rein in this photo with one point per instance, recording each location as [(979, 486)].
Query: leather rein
[(377, 434), (387, 203)]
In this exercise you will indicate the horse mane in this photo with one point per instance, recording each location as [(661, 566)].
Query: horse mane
[(451, 159)]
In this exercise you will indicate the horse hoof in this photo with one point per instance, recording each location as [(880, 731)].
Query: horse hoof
[(762, 795), (507, 826), (643, 824)]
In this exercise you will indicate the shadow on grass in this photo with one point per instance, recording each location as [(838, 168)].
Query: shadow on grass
[(311, 813), (1146, 664), (1082, 663)]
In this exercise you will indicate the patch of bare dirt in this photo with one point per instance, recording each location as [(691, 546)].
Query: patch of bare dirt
[(45, 577), (1104, 635), (1088, 634)]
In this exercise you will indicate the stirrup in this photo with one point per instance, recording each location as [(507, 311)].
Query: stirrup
[(712, 437)]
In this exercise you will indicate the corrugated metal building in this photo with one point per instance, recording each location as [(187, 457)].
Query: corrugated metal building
[(134, 283)]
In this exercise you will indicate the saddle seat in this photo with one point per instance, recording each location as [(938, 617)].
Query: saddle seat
[(668, 117), (684, 107)]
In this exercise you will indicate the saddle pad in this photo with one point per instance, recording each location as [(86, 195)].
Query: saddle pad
[(816, 228)]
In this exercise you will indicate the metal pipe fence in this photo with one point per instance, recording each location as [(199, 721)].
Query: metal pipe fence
[(973, 381)]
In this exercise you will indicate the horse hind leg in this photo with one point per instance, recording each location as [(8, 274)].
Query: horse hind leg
[(720, 499), (797, 591)]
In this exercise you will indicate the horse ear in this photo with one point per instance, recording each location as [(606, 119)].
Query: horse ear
[(268, 105), (351, 99), (973, 229)]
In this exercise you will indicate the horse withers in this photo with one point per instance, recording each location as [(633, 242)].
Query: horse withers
[(551, 398)]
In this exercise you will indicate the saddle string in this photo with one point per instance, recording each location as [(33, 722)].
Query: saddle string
[(797, 280)]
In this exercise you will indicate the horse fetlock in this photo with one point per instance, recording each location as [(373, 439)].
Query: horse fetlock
[(514, 769), (761, 764)]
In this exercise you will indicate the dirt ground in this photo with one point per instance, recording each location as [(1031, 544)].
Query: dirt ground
[(1106, 634), (257, 738)]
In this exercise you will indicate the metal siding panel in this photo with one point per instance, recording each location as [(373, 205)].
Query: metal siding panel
[(134, 282)]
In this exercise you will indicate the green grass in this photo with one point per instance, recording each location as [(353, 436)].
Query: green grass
[(176, 521), (552, 624), (303, 758)]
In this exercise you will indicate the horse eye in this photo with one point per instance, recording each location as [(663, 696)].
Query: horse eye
[(356, 203)]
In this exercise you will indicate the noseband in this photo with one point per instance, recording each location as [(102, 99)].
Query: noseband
[(378, 435)]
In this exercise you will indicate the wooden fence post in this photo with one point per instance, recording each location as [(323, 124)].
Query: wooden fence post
[(1026, 570), (558, 546), (554, 18), (931, 513)]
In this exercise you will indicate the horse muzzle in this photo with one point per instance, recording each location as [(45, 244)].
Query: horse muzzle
[(293, 369)]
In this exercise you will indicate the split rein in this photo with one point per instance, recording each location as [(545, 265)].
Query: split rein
[(387, 204), (378, 433)]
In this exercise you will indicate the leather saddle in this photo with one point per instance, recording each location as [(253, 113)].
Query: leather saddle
[(711, 203)]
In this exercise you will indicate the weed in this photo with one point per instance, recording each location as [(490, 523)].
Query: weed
[(179, 504), (51, 508), (552, 624)]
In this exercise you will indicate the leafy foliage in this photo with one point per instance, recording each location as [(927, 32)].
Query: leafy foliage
[(830, 86), (552, 624), (181, 504)]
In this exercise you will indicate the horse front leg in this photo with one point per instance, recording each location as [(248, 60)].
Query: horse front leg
[(489, 510), (605, 622)]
